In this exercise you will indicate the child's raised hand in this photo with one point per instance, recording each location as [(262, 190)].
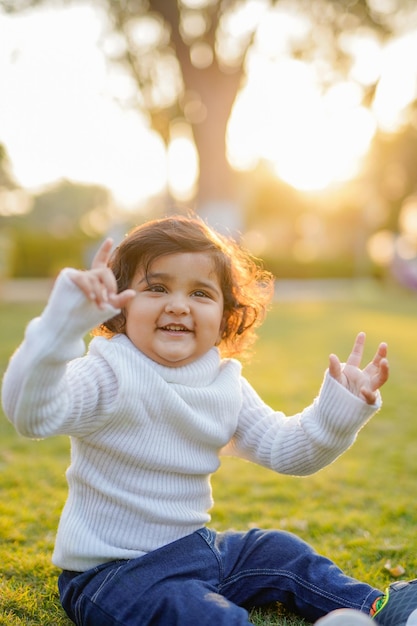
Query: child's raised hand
[(363, 383), (99, 283)]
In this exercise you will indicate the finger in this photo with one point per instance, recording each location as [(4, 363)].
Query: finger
[(381, 376), (335, 367), (368, 395), (97, 285), (79, 279), (355, 356), (380, 354), (94, 288), (102, 255), (106, 282), (121, 299)]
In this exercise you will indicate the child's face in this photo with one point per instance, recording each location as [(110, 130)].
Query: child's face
[(177, 314)]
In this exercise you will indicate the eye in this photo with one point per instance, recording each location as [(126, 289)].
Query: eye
[(200, 294), (156, 288)]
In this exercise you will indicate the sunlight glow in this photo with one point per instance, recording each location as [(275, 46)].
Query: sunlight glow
[(58, 120), (146, 32), (201, 54), (14, 202), (280, 29), (381, 247), (182, 163), (366, 52), (398, 84), (406, 247), (193, 24), (60, 117), (311, 140), (236, 27), (408, 216)]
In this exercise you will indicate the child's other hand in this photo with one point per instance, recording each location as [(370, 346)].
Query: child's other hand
[(363, 383), (99, 283)]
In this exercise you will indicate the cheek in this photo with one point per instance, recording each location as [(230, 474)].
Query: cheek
[(132, 315), (219, 329), (141, 316)]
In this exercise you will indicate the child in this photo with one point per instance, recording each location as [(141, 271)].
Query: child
[(149, 409)]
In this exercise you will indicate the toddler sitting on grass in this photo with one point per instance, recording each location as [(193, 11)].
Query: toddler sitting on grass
[(149, 409)]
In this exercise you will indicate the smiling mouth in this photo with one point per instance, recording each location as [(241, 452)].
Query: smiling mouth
[(175, 328)]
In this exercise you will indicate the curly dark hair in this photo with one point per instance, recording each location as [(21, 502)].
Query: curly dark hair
[(247, 288)]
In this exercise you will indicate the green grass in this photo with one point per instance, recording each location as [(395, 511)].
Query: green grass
[(360, 511)]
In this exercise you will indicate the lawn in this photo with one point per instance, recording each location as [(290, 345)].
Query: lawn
[(360, 511)]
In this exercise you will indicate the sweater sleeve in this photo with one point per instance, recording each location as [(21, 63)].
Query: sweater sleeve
[(47, 389), (303, 443)]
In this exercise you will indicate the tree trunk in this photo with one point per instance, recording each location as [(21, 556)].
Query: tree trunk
[(217, 91)]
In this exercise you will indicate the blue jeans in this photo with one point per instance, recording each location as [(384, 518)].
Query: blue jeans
[(212, 578)]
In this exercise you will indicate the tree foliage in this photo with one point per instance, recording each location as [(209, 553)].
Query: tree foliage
[(194, 65), (186, 60)]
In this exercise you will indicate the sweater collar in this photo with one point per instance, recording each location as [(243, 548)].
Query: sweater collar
[(201, 372)]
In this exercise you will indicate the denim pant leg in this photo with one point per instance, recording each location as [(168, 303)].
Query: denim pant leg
[(176, 585), (259, 567), (212, 578)]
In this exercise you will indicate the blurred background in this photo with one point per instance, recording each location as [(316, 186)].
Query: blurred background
[(290, 124)]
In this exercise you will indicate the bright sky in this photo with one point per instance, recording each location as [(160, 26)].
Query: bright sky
[(58, 118)]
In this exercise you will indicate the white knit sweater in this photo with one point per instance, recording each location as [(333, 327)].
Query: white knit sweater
[(145, 438)]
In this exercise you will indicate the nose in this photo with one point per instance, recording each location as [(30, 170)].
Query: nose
[(177, 304)]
